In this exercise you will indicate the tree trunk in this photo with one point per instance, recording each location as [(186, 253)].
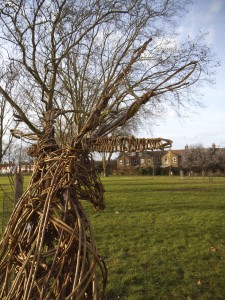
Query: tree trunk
[(18, 186), (105, 164)]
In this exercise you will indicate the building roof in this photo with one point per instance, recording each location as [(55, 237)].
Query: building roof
[(177, 152)]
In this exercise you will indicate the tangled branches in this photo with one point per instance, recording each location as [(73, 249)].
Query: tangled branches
[(48, 250)]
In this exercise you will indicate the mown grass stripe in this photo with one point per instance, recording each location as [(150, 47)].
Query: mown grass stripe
[(162, 238)]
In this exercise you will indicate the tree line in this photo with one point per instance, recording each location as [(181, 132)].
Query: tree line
[(201, 159), (99, 62)]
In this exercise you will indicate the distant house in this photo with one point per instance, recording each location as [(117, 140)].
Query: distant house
[(132, 163), (27, 168), (150, 159), (172, 158), (7, 168), (127, 163), (164, 162)]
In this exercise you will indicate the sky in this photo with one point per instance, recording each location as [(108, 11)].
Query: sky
[(206, 125)]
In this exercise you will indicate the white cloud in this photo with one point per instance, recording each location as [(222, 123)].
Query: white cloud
[(206, 126), (216, 6), (213, 9)]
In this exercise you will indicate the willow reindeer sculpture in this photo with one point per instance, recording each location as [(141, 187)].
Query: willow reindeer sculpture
[(88, 66), (48, 249)]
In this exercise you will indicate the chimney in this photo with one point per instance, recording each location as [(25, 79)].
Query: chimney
[(213, 145)]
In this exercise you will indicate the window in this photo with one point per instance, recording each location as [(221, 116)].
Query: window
[(127, 162), (166, 160), (121, 161), (174, 160), (142, 161)]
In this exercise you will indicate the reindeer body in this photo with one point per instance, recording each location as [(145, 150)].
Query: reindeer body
[(48, 250)]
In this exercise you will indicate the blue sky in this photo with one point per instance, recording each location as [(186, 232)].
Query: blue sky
[(206, 125)]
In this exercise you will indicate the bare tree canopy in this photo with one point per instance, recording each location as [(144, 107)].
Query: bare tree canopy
[(98, 60), (219, 159), (198, 158), (6, 121)]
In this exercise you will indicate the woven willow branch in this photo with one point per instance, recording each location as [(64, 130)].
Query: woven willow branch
[(128, 144), (48, 249)]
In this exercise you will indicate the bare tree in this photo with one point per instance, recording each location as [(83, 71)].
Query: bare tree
[(88, 66), (6, 118), (102, 63), (219, 159), (4, 128), (198, 158)]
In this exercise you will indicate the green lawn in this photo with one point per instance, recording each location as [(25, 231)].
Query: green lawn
[(162, 238), (6, 193)]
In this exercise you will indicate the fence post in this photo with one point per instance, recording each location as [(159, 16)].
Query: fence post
[(18, 186)]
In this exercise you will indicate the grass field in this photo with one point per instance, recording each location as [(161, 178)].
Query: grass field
[(5, 190), (6, 193), (162, 238)]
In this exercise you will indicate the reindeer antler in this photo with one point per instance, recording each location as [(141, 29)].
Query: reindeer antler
[(129, 144)]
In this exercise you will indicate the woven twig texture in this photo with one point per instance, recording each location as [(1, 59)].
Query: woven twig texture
[(48, 249)]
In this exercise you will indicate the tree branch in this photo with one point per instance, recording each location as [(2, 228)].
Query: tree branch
[(20, 112)]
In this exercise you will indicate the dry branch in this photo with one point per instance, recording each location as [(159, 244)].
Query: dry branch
[(48, 249)]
